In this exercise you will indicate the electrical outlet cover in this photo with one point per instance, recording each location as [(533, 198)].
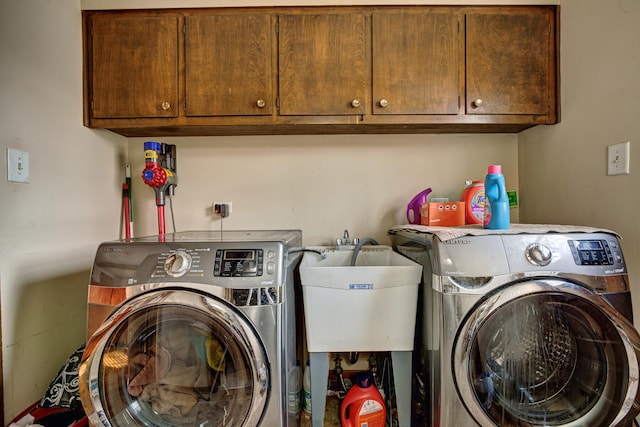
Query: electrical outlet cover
[(17, 165), (618, 159)]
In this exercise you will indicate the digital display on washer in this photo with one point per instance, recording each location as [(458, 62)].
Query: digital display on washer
[(239, 255), (238, 263), (589, 245), (591, 252)]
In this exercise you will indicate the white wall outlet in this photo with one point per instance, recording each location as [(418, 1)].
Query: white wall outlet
[(17, 165), (222, 208), (618, 159)]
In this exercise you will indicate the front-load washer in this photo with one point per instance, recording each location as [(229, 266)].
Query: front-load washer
[(192, 329), (524, 328)]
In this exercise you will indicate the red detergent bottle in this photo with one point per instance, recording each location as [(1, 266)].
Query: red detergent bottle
[(363, 404), (473, 198)]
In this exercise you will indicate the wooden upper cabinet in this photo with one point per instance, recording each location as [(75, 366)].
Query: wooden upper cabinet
[(417, 62), (323, 64), (325, 69), (228, 65), (508, 62), (134, 68)]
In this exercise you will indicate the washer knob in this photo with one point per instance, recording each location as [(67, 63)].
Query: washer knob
[(177, 264), (538, 254)]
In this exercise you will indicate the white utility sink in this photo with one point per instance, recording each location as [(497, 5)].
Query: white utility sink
[(367, 307)]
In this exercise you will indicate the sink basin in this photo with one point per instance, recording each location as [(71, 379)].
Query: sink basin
[(367, 307), (377, 265)]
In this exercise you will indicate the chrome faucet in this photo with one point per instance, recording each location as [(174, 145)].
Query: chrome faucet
[(345, 242)]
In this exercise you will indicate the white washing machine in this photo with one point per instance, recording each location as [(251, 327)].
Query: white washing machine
[(524, 329), (192, 329)]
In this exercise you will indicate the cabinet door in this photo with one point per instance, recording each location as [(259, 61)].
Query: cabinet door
[(508, 62), (228, 65), (323, 64), (416, 62), (134, 66)]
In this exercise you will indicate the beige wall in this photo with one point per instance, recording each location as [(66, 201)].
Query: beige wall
[(320, 184), (50, 228), (563, 168)]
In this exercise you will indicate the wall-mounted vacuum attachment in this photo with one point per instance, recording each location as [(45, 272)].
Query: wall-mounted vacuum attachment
[(160, 174)]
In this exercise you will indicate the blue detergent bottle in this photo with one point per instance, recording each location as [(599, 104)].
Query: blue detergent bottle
[(496, 206)]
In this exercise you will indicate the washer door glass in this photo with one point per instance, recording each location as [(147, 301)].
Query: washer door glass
[(179, 358), (543, 354)]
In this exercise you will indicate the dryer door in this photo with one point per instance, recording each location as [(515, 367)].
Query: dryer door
[(175, 357), (547, 353)]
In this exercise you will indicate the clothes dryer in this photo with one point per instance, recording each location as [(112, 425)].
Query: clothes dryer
[(523, 328), (192, 329)]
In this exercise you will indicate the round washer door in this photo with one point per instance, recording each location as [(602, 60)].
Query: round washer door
[(547, 353), (175, 357)]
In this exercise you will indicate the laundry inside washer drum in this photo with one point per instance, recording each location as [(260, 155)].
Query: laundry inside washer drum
[(543, 359), (190, 381)]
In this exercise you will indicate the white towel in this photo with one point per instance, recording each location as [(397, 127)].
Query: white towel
[(26, 421), (449, 233)]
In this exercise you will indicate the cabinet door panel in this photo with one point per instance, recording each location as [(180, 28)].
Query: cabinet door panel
[(416, 63), (507, 63), (135, 66), (323, 64), (228, 65)]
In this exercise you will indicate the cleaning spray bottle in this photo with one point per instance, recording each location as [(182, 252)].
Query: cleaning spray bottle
[(294, 389), (363, 404), (306, 389), (414, 206), (496, 206)]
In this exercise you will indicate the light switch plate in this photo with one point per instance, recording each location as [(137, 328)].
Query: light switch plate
[(17, 165), (618, 159)]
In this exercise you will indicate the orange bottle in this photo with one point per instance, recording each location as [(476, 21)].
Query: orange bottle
[(363, 404), (474, 199)]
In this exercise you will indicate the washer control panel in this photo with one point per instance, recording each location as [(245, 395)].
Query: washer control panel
[(595, 252), (235, 260), (177, 263), (249, 263), (538, 254), (238, 262)]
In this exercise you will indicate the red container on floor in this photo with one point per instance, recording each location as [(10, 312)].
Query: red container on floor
[(363, 404)]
